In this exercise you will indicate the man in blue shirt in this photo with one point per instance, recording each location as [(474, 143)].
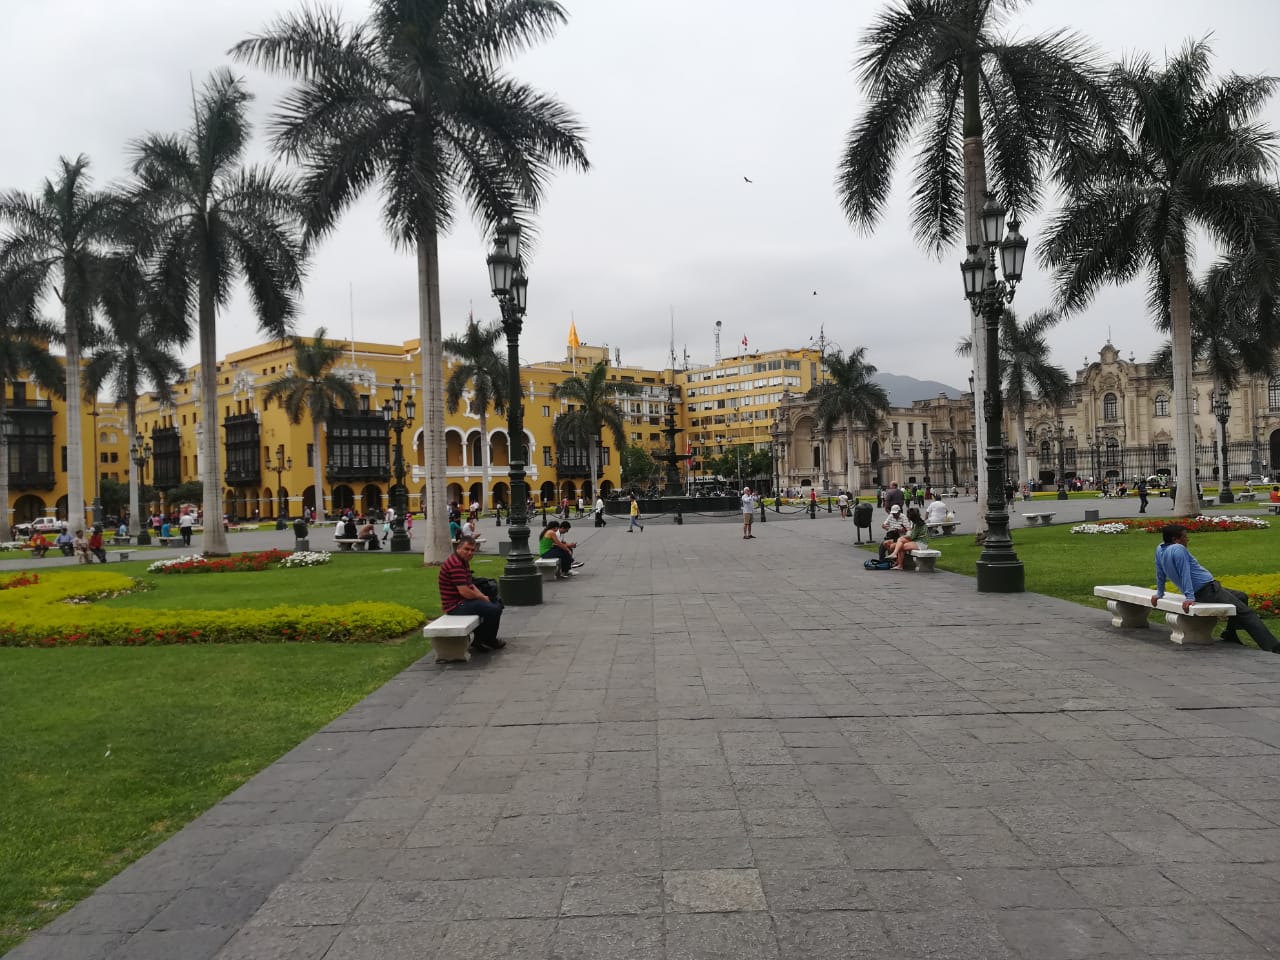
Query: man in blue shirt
[(1175, 562)]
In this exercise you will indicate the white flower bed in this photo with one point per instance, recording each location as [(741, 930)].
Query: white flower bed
[(1099, 528), (1245, 521), (159, 565), (303, 558)]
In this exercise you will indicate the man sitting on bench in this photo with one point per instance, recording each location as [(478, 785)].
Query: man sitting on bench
[(1175, 562), (460, 595), (66, 543)]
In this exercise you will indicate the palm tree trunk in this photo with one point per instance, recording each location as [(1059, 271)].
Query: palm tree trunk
[(850, 471), (317, 465), (135, 521), (214, 538), (484, 457), (1186, 503), (1024, 464), (75, 441), (435, 535), (975, 189)]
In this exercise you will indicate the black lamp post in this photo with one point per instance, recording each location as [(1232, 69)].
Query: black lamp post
[(998, 567), (140, 454), (282, 464), (8, 432), (521, 583), (897, 454), (944, 452), (925, 446), (1222, 410), (399, 494)]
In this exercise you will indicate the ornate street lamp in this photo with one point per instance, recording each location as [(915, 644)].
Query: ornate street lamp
[(998, 567), (897, 455), (399, 414), (282, 464), (925, 446), (1222, 410), (1062, 462), (944, 453), (521, 583)]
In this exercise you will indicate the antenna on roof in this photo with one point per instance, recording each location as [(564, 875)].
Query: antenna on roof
[(718, 326), (673, 336), (351, 314)]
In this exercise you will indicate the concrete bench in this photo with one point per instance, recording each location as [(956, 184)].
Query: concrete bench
[(123, 555), (1274, 508), (121, 541), (450, 636), (1246, 497), (1129, 606), (165, 541), (944, 529), (924, 559), (349, 545), (549, 567), (1043, 519)]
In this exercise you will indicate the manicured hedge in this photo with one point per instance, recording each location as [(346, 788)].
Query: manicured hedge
[(46, 615)]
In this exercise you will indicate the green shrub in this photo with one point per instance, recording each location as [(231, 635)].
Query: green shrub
[(47, 614)]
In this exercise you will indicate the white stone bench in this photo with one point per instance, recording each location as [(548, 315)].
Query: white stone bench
[(1129, 606), (925, 559), (121, 541), (944, 529), (1246, 497), (1273, 508), (165, 541), (1043, 519), (450, 636), (349, 545), (123, 555), (549, 568)]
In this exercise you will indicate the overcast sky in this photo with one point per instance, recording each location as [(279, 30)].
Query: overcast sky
[(682, 100)]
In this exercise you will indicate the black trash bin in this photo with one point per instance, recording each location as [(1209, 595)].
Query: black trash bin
[(862, 520)]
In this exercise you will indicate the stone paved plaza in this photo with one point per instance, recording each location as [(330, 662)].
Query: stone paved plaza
[(710, 747)]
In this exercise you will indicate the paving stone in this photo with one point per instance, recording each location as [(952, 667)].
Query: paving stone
[(712, 891), (947, 935), (503, 898), (1230, 882), (615, 894), (111, 913), (832, 933), (721, 936), (279, 943), (1185, 928), (1073, 934), (895, 891), (70, 946), (197, 944), (835, 888), (310, 904), (892, 853), (608, 938), (403, 901), (389, 941), (683, 853)]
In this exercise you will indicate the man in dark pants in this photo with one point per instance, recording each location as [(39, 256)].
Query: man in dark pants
[(1175, 562), (460, 595), (1142, 496)]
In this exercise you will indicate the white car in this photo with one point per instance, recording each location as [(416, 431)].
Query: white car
[(43, 525)]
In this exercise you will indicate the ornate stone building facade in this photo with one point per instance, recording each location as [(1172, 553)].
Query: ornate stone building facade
[(1117, 426)]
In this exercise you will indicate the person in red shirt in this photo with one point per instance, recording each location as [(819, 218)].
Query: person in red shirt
[(460, 595)]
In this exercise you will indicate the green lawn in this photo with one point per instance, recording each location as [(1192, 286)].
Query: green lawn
[(106, 751)]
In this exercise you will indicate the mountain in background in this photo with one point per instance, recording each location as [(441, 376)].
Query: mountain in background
[(905, 390)]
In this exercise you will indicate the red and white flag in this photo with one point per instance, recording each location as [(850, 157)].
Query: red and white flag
[(744, 341)]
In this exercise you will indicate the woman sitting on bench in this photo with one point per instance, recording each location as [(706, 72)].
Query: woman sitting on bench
[(369, 534), (549, 548), (913, 539)]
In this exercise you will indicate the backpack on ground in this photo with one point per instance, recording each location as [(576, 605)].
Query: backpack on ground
[(877, 564)]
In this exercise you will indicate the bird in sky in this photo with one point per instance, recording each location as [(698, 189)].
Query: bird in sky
[(748, 179)]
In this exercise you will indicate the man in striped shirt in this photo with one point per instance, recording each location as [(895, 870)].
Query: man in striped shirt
[(459, 595)]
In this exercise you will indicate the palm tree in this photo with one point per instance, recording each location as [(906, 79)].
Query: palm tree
[(594, 403), (1188, 158), (848, 397), (415, 100), (24, 351), (218, 222), (60, 234), (978, 101), (135, 349), (1027, 374), (313, 388), (1232, 334), (481, 366)]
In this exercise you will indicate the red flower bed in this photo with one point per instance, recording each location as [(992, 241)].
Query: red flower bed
[(1193, 524), (241, 562), (21, 580)]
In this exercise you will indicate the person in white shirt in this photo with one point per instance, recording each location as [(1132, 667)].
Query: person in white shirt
[(185, 523), (468, 528), (748, 513), (936, 513), (843, 502), (599, 511)]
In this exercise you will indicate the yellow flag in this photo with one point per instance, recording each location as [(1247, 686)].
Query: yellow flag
[(573, 336)]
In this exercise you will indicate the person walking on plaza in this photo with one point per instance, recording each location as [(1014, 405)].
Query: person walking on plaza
[(599, 511), (1142, 495), (460, 595), (842, 502), (185, 523), (635, 515), (1175, 562), (894, 497), (748, 513)]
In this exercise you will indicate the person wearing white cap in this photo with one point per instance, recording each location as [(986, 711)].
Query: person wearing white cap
[(894, 525)]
